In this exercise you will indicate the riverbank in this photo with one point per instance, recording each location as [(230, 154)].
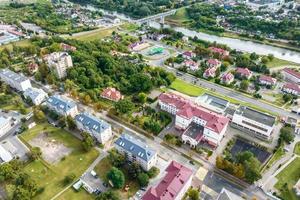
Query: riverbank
[(180, 19)]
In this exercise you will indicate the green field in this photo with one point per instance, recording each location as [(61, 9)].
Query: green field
[(297, 149), (102, 169), (276, 156), (192, 90), (93, 35), (287, 178), (50, 176), (276, 62), (179, 18)]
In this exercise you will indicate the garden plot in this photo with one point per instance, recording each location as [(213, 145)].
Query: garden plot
[(52, 150)]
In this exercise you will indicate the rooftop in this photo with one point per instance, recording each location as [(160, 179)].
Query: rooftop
[(173, 182), (5, 156), (292, 72), (194, 131), (3, 121), (92, 122), (33, 93), (227, 195), (61, 103), (12, 75), (256, 115), (135, 146)]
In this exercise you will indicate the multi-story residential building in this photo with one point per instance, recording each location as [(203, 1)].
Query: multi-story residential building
[(36, 95), (111, 94), (60, 62), (15, 80), (267, 80), (244, 72), (136, 151), (227, 78), (99, 129), (210, 72), (173, 186), (62, 105), (254, 122), (291, 88), (291, 75), (213, 126), (4, 125)]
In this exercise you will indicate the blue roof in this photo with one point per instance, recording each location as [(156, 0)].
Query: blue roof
[(61, 103), (135, 147), (92, 122), (13, 75)]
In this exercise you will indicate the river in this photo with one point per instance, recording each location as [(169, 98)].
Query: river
[(240, 45)]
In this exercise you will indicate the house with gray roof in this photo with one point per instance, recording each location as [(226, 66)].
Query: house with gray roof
[(37, 96), (62, 105), (97, 128), (136, 151), (14, 80)]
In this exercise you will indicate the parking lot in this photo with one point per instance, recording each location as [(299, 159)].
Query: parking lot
[(15, 147)]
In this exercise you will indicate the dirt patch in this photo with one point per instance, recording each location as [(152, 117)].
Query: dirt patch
[(52, 151)]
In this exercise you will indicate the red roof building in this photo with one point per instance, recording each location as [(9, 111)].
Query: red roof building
[(219, 51), (210, 72), (32, 67), (66, 47), (215, 125), (227, 78), (267, 80), (291, 88), (291, 75), (189, 55), (192, 65), (244, 72), (213, 63), (111, 94), (173, 186)]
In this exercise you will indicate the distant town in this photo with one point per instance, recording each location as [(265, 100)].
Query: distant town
[(150, 100)]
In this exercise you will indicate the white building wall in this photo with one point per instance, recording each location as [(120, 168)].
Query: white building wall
[(182, 122), (5, 127)]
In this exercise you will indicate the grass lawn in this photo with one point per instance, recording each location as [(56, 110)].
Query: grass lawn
[(290, 175), (297, 149), (276, 62), (179, 18), (12, 105), (192, 90), (130, 27), (78, 195), (104, 166), (94, 34), (276, 156), (21, 43), (50, 176)]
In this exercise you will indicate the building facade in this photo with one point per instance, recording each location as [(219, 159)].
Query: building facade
[(291, 75), (186, 112), (253, 122), (174, 184), (97, 128), (62, 105), (36, 95), (136, 151), (59, 62), (15, 80), (4, 125)]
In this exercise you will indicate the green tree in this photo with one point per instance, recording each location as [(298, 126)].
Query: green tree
[(287, 97), (35, 153), (108, 195), (142, 97), (87, 142), (39, 115), (242, 157), (252, 170), (69, 179), (194, 194), (244, 85), (143, 179), (117, 177), (286, 134), (71, 123), (153, 172), (124, 106)]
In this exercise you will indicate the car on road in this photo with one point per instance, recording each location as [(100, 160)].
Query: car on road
[(179, 73), (191, 162)]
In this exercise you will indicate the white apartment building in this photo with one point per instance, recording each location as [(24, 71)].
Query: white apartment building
[(4, 125), (36, 95), (14, 80), (253, 122), (136, 151), (188, 114), (62, 105), (59, 62), (99, 129)]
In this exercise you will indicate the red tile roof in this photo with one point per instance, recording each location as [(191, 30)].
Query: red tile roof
[(189, 54), (267, 79), (244, 71), (213, 62), (292, 72), (190, 63), (176, 178), (187, 109), (227, 77), (219, 50), (112, 94), (67, 47), (210, 72), (292, 86)]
